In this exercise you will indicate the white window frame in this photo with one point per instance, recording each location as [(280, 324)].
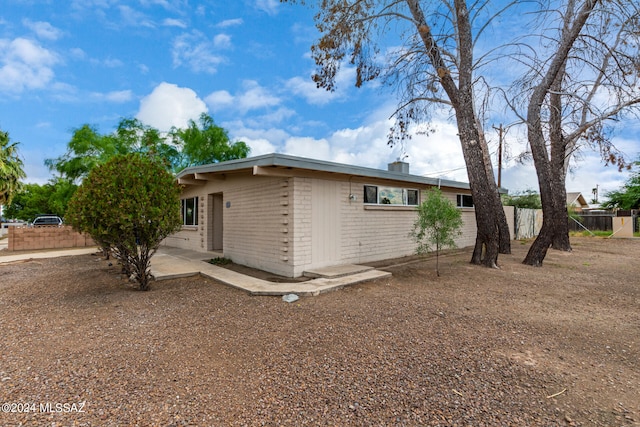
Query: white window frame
[(460, 201), (184, 205)]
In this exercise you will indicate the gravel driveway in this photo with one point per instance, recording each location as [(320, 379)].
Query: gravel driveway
[(519, 346)]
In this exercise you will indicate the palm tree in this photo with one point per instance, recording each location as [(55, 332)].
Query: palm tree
[(11, 171)]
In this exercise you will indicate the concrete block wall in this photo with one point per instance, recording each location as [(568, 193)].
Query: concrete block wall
[(191, 237), (301, 229), (258, 224), (268, 223), (373, 232), (30, 238)]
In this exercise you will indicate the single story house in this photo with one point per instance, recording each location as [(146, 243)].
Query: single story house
[(286, 214), (577, 201)]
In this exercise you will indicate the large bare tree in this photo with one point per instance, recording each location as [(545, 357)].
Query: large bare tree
[(583, 77), (425, 50)]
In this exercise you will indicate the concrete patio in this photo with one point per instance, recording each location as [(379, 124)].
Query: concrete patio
[(171, 263)]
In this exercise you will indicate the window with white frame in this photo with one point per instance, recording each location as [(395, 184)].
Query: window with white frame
[(189, 211), (464, 201), (382, 195)]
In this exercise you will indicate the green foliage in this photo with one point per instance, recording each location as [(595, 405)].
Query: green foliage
[(11, 169), (628, 197), (34, 199), (179, 149), (438, 223), (204, 144), (594, 233), (129, 204), (88, 148), (527, 199), (220, 261)]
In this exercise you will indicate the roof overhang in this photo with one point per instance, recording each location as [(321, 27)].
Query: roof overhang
[(282, 165)]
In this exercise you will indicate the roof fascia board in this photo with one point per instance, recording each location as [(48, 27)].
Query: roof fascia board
[(315, 166)]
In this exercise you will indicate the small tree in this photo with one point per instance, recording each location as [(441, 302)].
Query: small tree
[(129, 204), (438, 223)]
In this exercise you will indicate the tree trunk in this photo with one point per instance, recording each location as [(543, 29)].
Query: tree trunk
[(560, 239), (142, 261), (490, 218), (483, 189), (504, 238), (550, 169), (558, 164)]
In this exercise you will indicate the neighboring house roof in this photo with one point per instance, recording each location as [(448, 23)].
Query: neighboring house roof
[(577, 200), (284, 165)]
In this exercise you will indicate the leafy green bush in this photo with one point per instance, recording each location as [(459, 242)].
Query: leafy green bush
[(129, 205)]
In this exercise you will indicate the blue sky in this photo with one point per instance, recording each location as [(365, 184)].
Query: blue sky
[(245, 62)]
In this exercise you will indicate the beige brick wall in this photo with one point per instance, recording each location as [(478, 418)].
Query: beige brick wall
[(30, 238), (268, 223), (367, 233), (257, 221), (258, 224), (301, 219), (372, 233)]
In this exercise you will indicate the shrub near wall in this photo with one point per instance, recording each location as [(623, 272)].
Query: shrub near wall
[(29, 238)]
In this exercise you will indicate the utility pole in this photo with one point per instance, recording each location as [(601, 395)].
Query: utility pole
[(500, 133)]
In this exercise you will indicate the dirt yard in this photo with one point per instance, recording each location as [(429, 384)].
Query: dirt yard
[(519, 346)]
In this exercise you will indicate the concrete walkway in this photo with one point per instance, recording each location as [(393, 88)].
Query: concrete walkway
[(170, 263)]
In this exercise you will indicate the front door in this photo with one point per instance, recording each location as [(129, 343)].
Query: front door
[(215, 223)]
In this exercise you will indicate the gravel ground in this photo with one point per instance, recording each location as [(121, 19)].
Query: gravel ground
[(474, 347)]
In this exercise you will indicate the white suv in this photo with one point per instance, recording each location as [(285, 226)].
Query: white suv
[(47, 220)]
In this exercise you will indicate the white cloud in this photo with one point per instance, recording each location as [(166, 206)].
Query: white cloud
[(133, 18), (278, 116), (255, 97), (219, 100), (43, 30), (144, 69), (274, 136), (113, 63), (222, 41), (197, 52), (258, 146), (308, 147), (230, 23), (118, 96), (24, 64), (77, 53), (107, 62), (163, 3), (306, 88), (252, 97), (170, 22), (268, 6), (170, 105)]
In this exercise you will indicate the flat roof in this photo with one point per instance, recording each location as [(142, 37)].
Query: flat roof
[(280, 161)]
